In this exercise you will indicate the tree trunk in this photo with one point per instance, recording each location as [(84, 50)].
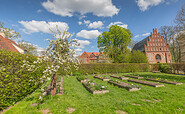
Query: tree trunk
[(54, 87)]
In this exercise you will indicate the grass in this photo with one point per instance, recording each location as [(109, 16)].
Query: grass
[(76, 96)]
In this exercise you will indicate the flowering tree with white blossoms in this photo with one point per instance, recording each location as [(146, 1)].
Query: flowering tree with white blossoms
[(59, 54)]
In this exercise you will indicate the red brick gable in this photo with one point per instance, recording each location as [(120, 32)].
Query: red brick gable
[(156, 49), (6, 44)]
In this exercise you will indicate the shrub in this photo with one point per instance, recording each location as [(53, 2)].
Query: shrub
[(112, 68), (165, 68), (138, 57), (16, 82)]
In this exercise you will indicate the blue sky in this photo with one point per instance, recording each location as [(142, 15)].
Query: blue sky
[(86, 19)]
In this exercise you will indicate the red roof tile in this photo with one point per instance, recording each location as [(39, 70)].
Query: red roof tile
[(6, 44)]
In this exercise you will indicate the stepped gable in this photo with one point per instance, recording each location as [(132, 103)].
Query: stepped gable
[(155, 48)]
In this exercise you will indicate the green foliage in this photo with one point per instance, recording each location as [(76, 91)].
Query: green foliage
[(165, 68), (15, 81), (30, 48), (94, 86), (124, 57), (113, 68), (115, 41), (77, 74), (9, 33), (138, 57), (169, 99)]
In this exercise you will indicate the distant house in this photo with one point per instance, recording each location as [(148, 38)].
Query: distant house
[(181, 41), (93, 57), (10, 45), (155, 48)]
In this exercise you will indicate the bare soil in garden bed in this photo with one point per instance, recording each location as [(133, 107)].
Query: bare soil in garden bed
[(124, 85), (102, 78), (147, 83), (137, 77), (164, 81), (119, 77)]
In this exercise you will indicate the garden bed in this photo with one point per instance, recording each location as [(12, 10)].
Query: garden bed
[(127, 86), (102, 78), (95, 88), (164, 81), (119, 77), (82, 79), (147, 83), (137, 77)]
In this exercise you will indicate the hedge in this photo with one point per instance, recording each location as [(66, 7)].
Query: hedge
[(113, 68), (169, 67), (16, 82)]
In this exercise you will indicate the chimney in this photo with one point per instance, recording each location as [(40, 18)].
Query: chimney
[(2, 34)]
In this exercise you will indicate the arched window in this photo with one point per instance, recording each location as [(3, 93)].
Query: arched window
[(158, 57)]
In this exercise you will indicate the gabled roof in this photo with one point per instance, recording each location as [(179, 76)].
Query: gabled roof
[(140, 45), (7, 44)]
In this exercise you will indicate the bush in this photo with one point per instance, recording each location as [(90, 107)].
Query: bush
[(138, 57), (16, 82), (165, 68), (112, 68)]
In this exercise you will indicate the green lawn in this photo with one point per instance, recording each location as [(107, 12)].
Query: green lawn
[(169, 99)]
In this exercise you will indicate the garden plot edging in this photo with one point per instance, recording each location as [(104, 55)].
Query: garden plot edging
[(164, 81), (137, 77), (96, 91), (125, 85), (119, 77), (102, 78), (147, 83)]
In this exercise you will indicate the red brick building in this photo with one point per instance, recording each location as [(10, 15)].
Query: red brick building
[(155, 48), (93, 57), (10, 45)]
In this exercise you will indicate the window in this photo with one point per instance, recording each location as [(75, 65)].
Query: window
[(158, 57)]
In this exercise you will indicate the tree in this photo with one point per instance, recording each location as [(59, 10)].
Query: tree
[(138, 57), (115, 41), (9, 33), (60, 55), (180, 18), (30, 48)]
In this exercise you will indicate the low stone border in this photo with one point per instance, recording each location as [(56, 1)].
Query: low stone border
[(102, 78), (119, 77), (86, 80), (96, 91), (156, 71), (124, 85), (61, 86), (137, 77), (147, 83), (164, 81)]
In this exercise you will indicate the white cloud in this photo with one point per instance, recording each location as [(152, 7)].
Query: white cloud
[(95, 25), (99, 8), (79, 22), (42, 26), (92, 34), (144, 4), (146, 34), (39, 11), (140, 35), (136, 36), (78, 49), (82, 16), (87, 22), (119, 24), (83, 43), (77, 54)]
